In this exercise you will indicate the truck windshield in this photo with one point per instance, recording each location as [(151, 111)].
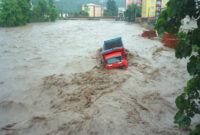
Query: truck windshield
[(114, 59)]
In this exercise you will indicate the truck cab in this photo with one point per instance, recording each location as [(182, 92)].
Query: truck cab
[(113, 54)]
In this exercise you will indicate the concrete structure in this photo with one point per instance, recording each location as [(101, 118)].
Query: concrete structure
[(152, 8), (93, 10)]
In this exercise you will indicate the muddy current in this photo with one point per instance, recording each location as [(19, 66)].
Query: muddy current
[(52, 81)]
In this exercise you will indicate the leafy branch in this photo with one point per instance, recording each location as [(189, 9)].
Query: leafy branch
[(188, 103)]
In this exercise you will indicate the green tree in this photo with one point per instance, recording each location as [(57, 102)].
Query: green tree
[(14, 12), (85, 11), (86, 8), (39, 12), (52, 10), (107, 13), (132, 12), (44, 11), (112, 9), (25, 7), (188, 103)]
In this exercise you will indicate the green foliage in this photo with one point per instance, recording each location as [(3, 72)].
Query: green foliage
[(25, 7), (112, 9), (193, 65), (14, 12), (86, 8), (39, 12), (83, 13), (72, 6), (17, 12), (44, 11), (183, 49), (52, 11), (171, 24), (188, 103), (196, 131), (170, 19), (132, 12), (107, 13)]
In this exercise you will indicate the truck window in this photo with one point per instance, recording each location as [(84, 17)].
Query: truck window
[(114, 59)]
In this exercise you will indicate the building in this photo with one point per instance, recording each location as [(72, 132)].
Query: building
[(152, 8), (129, 2), (121, 10), (160, 6), (139, 3), (148, 8), (93, 10)]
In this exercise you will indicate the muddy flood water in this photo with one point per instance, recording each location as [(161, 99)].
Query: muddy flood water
[(52, 82)]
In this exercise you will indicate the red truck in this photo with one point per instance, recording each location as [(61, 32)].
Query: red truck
[(113, 54)]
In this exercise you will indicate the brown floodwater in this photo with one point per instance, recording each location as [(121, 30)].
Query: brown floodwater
[(51, 81)]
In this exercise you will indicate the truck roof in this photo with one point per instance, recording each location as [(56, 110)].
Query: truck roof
[(112, 44), (112, 55)]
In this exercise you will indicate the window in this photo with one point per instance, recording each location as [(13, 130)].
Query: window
[(114, 59), (158, 2), (164, 2), (158, 8)]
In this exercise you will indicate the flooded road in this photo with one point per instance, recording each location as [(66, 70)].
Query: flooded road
[(51, 81)]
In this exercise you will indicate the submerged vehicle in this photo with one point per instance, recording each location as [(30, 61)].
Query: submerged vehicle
[(113, 54)]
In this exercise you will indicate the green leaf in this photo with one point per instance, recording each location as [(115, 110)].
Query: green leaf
[(193, 65), (182, 120), (195, 48), (181, 102), (196, 131), (183, 49)]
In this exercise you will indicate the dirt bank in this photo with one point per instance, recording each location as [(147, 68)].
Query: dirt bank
[(52, 82)]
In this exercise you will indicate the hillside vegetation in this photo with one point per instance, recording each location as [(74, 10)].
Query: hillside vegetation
[(74, 5)]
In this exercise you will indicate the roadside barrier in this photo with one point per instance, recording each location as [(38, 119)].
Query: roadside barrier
[(149, 34), (169, 40)]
